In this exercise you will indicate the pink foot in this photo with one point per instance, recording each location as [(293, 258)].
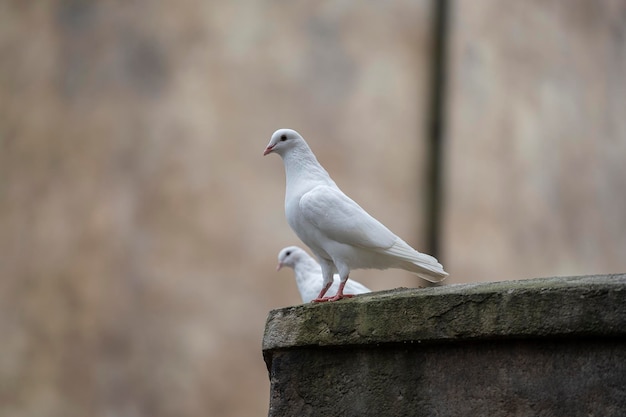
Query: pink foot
[(321, 299), (336, 297)]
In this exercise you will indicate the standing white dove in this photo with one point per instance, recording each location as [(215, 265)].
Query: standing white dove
[(308, 274), (340, 233)]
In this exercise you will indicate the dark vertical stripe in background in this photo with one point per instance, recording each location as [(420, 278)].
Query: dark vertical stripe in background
[(436, 133)]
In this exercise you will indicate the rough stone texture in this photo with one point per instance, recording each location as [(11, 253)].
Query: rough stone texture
[(542, 347)]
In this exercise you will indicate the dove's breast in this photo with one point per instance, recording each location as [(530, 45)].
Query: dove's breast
[(304, 229)]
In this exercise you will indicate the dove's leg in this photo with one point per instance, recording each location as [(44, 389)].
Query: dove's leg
[(320, 298), (327, 274), (344, 273), (340, 293)]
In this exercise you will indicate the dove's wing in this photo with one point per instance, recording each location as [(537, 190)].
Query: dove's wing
[(341, 219)]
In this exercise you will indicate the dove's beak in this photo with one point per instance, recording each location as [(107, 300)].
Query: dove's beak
[(280, 265), (269, 149)]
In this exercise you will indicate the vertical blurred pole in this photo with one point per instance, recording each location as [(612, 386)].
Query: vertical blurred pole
[(436, 125)]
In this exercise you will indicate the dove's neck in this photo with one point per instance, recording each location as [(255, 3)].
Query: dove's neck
[(301, 164)]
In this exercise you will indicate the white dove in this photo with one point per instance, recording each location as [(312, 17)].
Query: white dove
[(308, 274), (340, 233)]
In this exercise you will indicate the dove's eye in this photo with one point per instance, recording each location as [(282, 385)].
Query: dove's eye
[(282, 139), (288, 253)]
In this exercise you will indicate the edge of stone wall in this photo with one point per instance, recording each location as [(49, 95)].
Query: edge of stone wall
[(543, 307)]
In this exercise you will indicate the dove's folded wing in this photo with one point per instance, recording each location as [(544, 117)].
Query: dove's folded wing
[(341, 219)]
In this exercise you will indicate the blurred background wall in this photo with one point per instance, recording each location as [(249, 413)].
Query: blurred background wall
[(139, 223)]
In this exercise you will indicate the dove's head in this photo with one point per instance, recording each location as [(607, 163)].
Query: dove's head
[(290, 256), (283, 140)]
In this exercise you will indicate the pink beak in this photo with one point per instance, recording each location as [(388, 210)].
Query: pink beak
[(267, 150), (280, 265)]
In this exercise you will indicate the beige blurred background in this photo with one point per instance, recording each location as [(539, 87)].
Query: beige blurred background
[(139, 223)]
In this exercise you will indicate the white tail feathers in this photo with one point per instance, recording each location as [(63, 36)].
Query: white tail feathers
[(424, 266)]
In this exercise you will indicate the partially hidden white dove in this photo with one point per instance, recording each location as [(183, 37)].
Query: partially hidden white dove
[(308, 274), (340, 233)]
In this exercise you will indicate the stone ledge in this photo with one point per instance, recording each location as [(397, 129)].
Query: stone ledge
[(553, 347), (554, 307)]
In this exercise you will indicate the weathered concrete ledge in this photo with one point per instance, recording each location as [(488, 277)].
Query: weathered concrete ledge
[(496, 337), (580, 306)]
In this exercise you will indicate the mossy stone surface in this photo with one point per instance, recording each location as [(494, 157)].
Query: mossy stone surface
[(588, 305)]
